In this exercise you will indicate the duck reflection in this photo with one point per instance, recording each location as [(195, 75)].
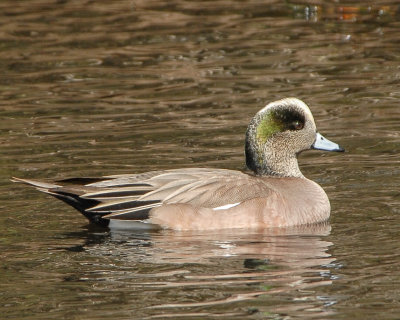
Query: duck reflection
[(232, 265), (302, 246)]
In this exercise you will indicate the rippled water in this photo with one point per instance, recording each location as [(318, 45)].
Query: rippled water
[(92, 88)]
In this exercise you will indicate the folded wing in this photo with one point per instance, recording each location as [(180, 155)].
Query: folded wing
[(131, 197)]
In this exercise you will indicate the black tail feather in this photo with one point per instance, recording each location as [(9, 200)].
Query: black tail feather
[(76, 193), (81, 181), (82, 205)]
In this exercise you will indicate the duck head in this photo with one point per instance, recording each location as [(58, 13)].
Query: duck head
[(278, 133)]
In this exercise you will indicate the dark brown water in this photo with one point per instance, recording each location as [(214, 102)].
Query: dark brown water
[(106, 87)]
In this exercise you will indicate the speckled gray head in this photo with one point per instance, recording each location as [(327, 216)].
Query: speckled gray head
[(278, 133)]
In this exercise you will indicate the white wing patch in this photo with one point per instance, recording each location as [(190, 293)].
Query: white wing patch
[(227, 206)]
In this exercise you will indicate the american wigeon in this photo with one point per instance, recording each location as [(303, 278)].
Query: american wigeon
[(273, 194)]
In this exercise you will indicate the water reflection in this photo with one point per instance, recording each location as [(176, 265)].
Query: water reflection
[(242, 265), (289, 245)]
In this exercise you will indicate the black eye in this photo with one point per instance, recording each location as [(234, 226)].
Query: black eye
[(297, 125)]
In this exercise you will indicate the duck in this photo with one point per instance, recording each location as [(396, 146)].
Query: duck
[(271, 193)]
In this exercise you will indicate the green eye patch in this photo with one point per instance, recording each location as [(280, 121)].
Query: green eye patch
[(278, 121)]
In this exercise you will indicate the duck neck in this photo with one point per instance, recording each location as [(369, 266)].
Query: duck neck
[(265, 163)]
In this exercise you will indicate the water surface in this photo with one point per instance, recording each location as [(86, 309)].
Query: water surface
[(92, 88)]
